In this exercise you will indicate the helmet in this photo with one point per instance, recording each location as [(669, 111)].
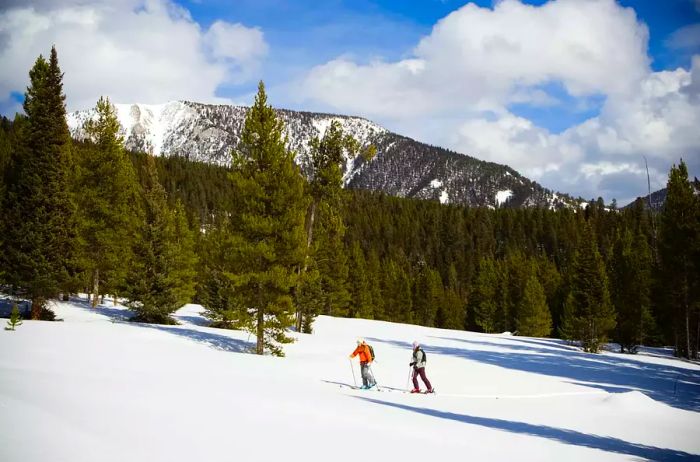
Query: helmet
[(416, 344)]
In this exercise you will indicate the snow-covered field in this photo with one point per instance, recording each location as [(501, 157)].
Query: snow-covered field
[(95, 388)]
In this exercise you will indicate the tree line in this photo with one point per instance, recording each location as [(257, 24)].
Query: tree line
[(267, 247)]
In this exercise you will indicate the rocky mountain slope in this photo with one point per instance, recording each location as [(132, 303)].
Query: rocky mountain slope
[(402, 166)]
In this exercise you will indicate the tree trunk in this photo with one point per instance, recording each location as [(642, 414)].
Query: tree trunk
[(687, 319), (309, 225), (66, 297), (37, 305), (115, 300), (310, 218), (697, 339), (260, 346), (95, 286)]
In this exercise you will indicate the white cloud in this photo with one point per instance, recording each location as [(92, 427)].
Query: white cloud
[(687, 37), (132, 51), (482, 59), (242, 46), (659, 122), (458, 86)]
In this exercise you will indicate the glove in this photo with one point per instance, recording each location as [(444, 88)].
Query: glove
[(350, 356), (412, 364)]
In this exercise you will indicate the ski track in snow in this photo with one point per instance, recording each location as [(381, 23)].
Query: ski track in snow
[(96, 387)]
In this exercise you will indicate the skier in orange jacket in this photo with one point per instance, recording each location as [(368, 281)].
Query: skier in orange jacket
[(365, 360)]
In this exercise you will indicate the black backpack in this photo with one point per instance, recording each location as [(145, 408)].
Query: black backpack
[(425, 357), (371, 351)]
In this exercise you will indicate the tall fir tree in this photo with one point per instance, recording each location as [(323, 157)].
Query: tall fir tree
[(588, 313), (161, 278), (679, 233), (534, 317), (267, 226), (108, 191), (429, 297), (40, 234), (361, 295), (484, 299), (630, 283), (327, 155), (332, 262)]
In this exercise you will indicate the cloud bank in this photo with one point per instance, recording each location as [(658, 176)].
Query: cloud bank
[(132, 51), (459, 86)]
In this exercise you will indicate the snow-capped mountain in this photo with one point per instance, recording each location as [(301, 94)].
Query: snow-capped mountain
[(402, 166)]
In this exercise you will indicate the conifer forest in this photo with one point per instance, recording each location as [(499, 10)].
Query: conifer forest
[(265, 245)]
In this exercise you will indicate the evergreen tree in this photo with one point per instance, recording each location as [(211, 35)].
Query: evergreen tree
[(332, 263), (534, 318), (429, 297), (361, 296), (324, 170), (267, 226), (161, 276), (588, 313), (679, 233), (15, 319), (40, 235), (452, 311), (485, 291), (374, 276), (108, 190), (213, 287)]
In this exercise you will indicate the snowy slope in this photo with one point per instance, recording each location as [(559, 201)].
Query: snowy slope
[(96, 388)]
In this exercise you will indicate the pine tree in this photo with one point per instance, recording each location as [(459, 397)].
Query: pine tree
[(679, 233), (630, 282), (213, 287), (40, 235), (324, 170), (452, 311), (332, 263), (361, 305), (534, 318), (588, 312), (108, 191), (485, 291), (15, 319), (267, 226), (161, 277), (429, 297)]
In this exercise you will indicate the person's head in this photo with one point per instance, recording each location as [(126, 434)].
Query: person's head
[(415, 344), (360, 341)]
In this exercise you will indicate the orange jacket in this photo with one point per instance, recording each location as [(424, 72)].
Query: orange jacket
[(363, 351)]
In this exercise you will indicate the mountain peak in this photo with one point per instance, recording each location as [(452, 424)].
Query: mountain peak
[(403, 167)]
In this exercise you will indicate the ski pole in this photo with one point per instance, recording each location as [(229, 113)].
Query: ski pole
[(374, 377), (353, 373)]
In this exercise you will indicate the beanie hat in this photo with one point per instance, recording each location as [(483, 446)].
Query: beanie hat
[(416, 344)]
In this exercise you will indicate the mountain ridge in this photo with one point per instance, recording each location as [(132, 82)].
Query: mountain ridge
[(402, 167)]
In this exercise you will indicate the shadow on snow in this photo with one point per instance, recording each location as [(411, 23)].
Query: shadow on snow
[(210, 339), (561, 435), (675, 386)]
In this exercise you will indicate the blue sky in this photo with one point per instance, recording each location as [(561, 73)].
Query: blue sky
[(571, 93), (306, 33)]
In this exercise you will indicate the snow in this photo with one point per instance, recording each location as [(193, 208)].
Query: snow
[(503, 196), (95, 387), (444, 197), (436, 183)]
